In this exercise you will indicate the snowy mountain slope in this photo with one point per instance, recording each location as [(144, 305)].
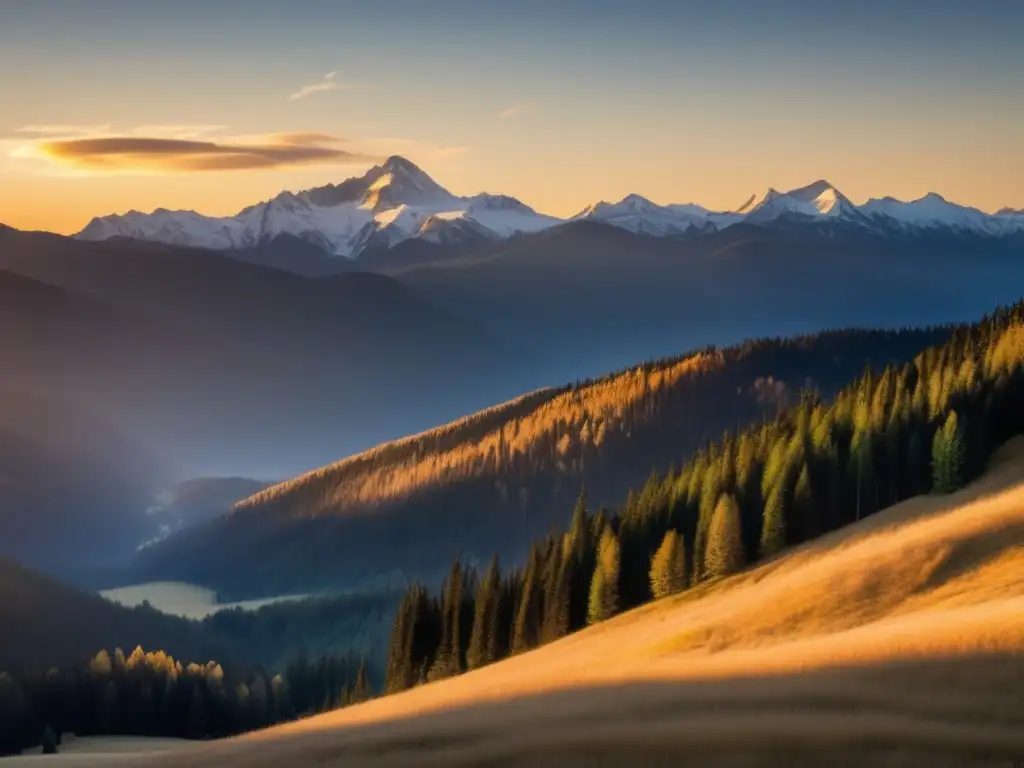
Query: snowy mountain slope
[(642, 217), (390, 203), (817, 202), (934, 211), (397, 201)]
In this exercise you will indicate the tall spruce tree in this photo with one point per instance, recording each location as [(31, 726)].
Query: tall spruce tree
[(773, 530), (482, 645), (529, 616), (558, 597), (398, 669), (668, 566), (603, 602), (724, 555), (949, 456), (450, 659)]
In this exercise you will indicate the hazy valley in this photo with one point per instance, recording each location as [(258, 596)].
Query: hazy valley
[(527, 384)]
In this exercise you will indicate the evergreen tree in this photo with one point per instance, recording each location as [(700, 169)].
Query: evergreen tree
[(724, 555), (558, 600), (398, 671), (773, 531), (604, 587), (450, 659), (529, 616), (862, 473), (668, 566), (949, 456), (482, 646)]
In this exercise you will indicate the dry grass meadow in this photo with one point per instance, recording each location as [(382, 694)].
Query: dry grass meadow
[(896, 642)]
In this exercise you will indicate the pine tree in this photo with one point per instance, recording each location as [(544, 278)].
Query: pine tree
[(773, 530), (949, 456), (485, 619), (604, 587), (668, 566), (398, 670), (558, 600), (724, 555), (862, 473), (450, 659), (526, 633)]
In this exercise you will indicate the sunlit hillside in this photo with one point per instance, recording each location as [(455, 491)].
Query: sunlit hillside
[(567, 430), (497, 480), (896, 641)]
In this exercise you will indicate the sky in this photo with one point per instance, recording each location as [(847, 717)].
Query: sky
[(212, 105)]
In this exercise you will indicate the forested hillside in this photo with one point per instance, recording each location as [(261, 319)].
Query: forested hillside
[(925, 426), (45, 622), (219, 363), (498, 479)]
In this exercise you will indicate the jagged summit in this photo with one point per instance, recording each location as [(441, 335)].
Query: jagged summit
[(391, 202), (397, 201)]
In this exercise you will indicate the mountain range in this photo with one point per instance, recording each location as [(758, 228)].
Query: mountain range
[(397, 201)]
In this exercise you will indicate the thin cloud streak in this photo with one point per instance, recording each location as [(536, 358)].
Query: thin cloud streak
[(329, 83), (149, 155), (63, 130), (515, 110)]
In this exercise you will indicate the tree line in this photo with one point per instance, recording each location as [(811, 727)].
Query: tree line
[(928, 425), (151, 694)]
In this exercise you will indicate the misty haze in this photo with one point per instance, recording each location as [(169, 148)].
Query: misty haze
[(519, 384)]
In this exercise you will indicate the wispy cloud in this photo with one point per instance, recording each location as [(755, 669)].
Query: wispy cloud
[(162, 155), (62, 130), (329, 82), (515, 110), (175, 131)]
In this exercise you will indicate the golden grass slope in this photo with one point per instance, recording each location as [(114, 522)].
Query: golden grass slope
[(898, 641)]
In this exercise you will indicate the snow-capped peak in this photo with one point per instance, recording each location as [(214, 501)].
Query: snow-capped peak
[(825, 198), (641, 216), (391, 202), (819, 200), (929, 212), (397, 200)]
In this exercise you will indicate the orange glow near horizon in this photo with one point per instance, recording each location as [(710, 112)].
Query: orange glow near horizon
[(63, 195)]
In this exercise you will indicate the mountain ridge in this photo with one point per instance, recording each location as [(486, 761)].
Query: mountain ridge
[(397, 201)]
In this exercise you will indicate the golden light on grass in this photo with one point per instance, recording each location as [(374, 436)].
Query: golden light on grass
[(898, 641)]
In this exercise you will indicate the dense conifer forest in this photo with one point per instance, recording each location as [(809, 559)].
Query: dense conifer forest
[(925, 426), (152, 694), (500, 478)]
